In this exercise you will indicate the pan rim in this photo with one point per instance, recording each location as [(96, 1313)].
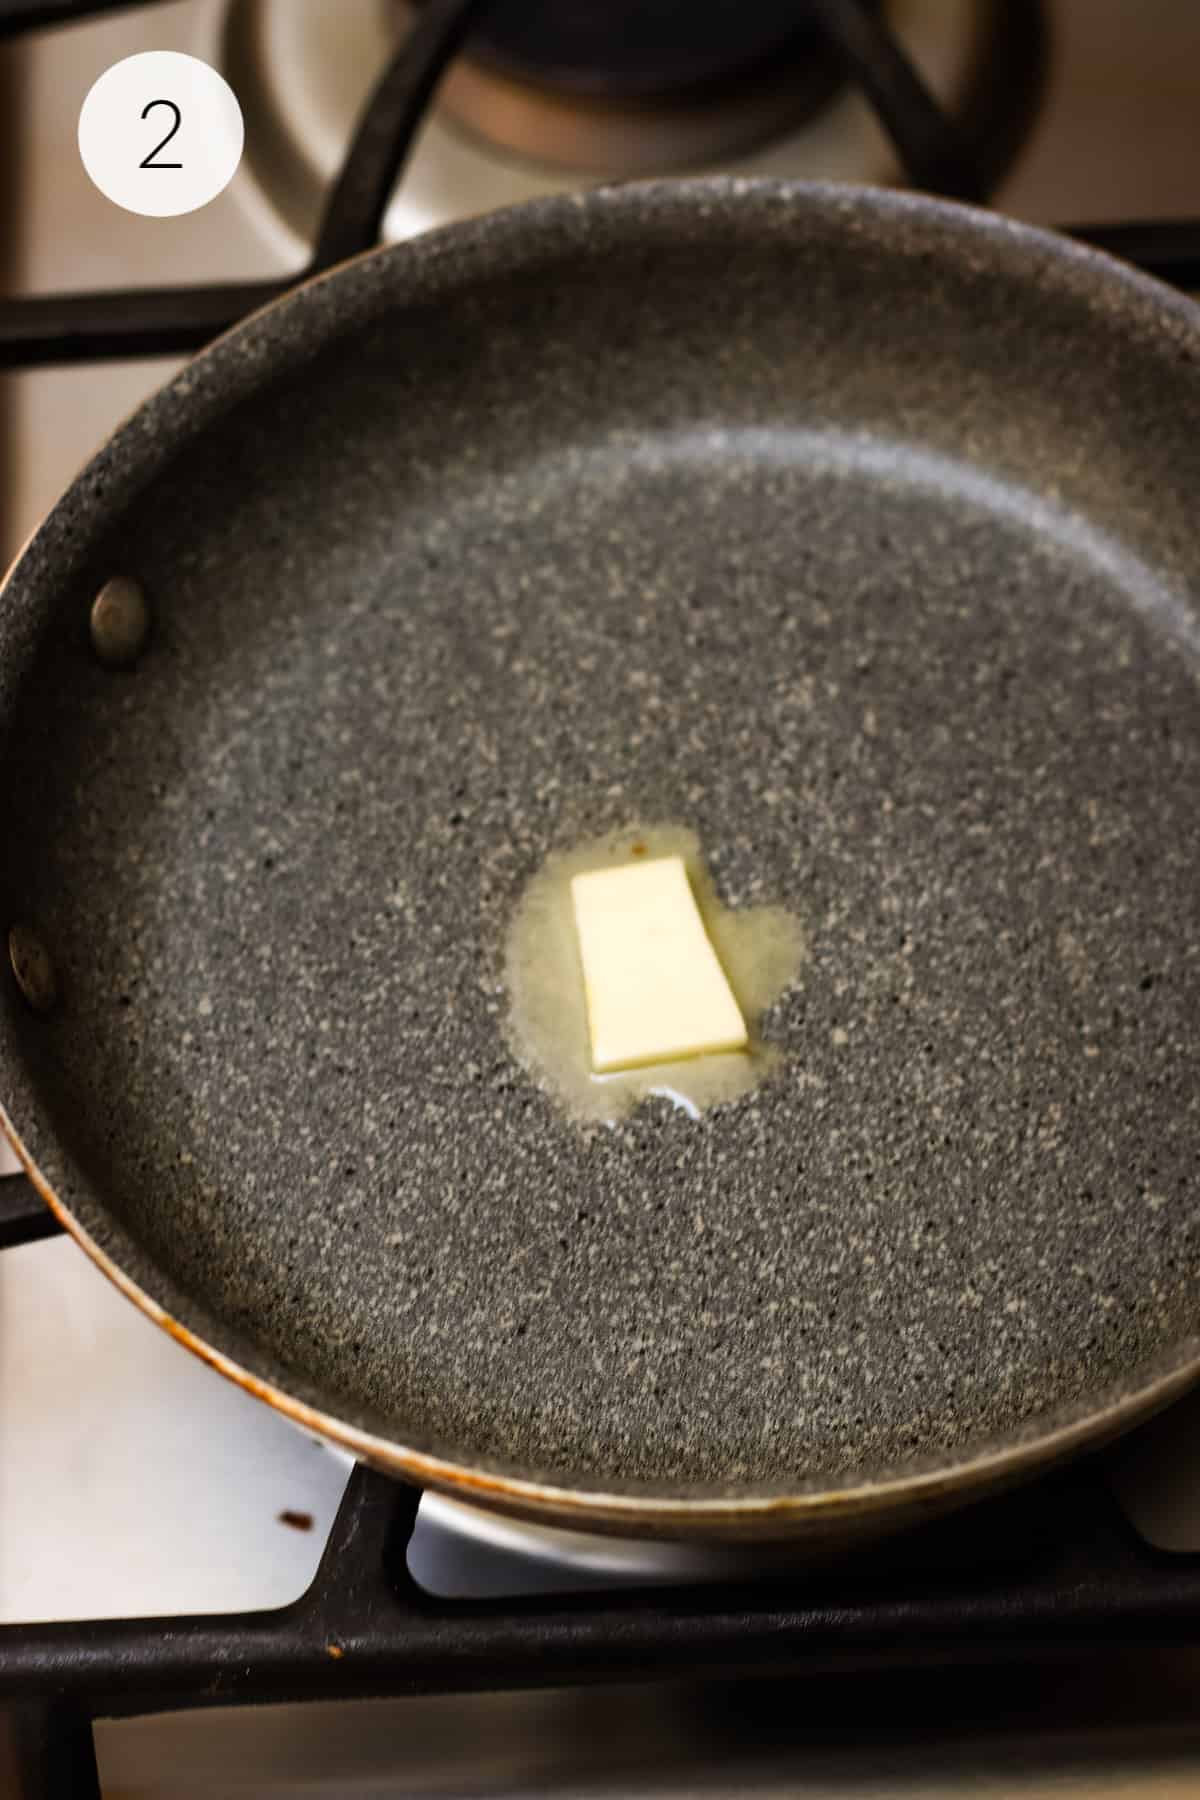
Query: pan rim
[(763, 1513)]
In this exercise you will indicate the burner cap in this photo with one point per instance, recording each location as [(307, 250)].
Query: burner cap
[(640, 49), (631, 87)]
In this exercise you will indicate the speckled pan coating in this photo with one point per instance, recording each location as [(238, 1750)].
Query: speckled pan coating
[(855, 532)]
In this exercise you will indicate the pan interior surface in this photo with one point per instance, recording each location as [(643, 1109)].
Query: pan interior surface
[(855, 536)]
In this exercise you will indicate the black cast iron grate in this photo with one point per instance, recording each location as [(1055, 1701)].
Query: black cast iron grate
[(1053, 1569)]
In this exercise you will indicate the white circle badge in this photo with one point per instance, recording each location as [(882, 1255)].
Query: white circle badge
[(161, 133)]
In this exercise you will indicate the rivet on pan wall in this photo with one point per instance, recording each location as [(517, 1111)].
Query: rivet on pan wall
[(32, 967), (120, 622)]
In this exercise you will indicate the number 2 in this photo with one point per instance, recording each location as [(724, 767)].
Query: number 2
[(148, 162)]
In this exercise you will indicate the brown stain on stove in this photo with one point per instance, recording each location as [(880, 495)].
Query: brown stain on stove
[(299, 1521)]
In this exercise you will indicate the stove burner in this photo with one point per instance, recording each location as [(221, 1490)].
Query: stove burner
[(632, 87), (643, 49), (554, 93)]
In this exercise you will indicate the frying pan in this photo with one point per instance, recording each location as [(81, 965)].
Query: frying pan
[(852, 531)]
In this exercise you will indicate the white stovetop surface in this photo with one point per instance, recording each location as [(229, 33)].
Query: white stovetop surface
[(133, 1479)]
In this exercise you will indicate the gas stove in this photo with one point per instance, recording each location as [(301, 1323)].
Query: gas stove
[(135, 1485)]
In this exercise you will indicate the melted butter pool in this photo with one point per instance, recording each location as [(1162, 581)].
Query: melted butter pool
[(761, 948)]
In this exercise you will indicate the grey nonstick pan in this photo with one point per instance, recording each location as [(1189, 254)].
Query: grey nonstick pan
[(853, 533)]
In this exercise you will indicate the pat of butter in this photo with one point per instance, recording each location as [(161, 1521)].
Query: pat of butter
[(655, 989)]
